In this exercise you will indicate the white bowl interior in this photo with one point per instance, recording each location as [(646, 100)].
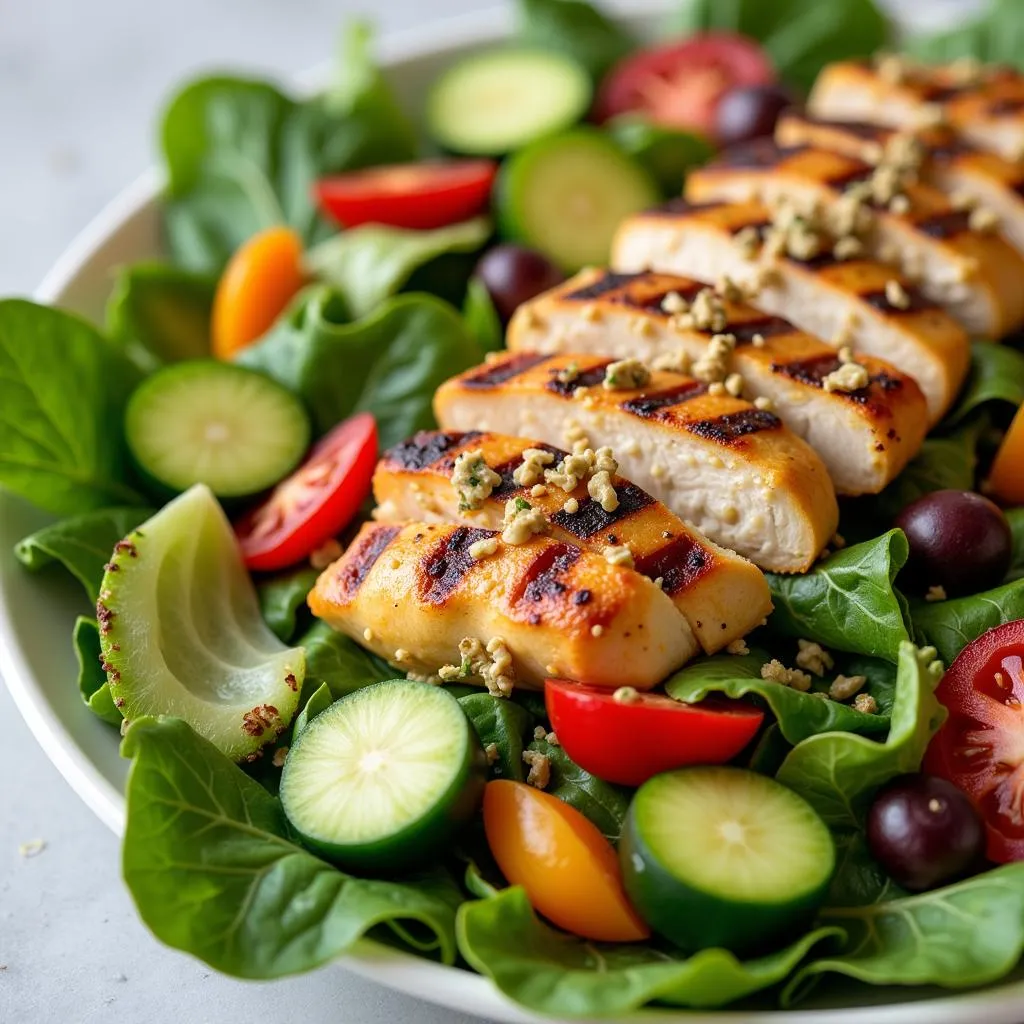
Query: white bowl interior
[(37, 611)]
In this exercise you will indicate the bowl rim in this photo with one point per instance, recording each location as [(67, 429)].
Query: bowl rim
[(403, 971)]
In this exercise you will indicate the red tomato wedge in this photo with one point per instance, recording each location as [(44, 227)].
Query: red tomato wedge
[(422, 196), (980, 747), (316, 502), (630, 743), (680, 84)]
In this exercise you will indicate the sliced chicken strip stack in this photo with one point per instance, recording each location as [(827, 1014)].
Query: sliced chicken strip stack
[(865, 435), (731, 470), (722, 596), (974, 275), (851, 301), (411, 594), (970, 176), (984, 105)]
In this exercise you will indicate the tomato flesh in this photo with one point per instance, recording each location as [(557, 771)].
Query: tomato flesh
[(569, 870), (679, 85), (980, 747), (629, 743), (422, 196), (316, 502)]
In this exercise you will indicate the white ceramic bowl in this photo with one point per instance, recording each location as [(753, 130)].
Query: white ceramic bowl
[(37, 613)]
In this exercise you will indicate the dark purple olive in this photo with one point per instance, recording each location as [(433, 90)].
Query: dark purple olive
[(924, 832), (750, 112), (959, 541), (514, 274)]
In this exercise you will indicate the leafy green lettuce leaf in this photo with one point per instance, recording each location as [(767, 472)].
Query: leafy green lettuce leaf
[(503, 723), (859, 879), (283, 600), (949, 626), (838, 772), (337, 660), (200, 833), (368, 264), (553, 973), (482, 318), (996, 36), (997, 375), (1015, 517), (65, 386), (799, 715), (847, 602), (242, 156), (389, 363), (320, 700), (667, 154), (92, 680), (575, 28), (967, 934), (81, 544), (801, 36)]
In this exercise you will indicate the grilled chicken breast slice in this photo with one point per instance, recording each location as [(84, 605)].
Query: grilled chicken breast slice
[(951, 164), (986, 108), (412, 593), (865, 437), (841, 302), (721, 595), (729, 469), (975, 276)]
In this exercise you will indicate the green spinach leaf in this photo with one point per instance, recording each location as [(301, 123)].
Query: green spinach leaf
[(997, 375), (64, 388), (604, 804), (82, 544), (320, 700), (801, 36), (482, 318), (837, 772), (161, 314), (283, 601), (337, 660), (967, 934), (799, 715), (996, 36), (92, 680), (199, 831), (949, 626), (668, 154), (242, 156), (368, 264), (575, 28), (1015, 517), (503, 723), (390, 363), (550, 972), (847, 602), (859, 880)]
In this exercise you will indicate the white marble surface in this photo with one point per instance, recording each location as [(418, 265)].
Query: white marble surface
[(79, 83)]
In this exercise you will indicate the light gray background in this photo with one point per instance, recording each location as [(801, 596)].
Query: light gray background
[(80, 81)]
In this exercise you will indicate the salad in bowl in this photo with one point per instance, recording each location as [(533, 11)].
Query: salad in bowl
[(572, 531)]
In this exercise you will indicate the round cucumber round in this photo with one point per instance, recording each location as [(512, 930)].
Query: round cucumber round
[(567, 195), (494, 102), (382, 778), (724, 857), (215, 423)]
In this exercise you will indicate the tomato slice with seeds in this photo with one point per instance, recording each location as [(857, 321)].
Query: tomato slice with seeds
[(980, 747), (316, 502)]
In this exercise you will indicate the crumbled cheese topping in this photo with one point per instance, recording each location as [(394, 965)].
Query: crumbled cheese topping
[(738, 647), (481, 549), (844, 687), (473, 479), (531, 470), (848, 248), (538, 491), (813, 657), (601, 490), (522, 521), (936, 594), (758, 341), (571, 470), (674, 362), (540, 768), (866, 704), (596, 631), (626, 695), (748, 241), (776, 672), (539, 732), (707, 311), (492, 664), (401, 654), (575, 434), (626, 374), (279, 757), (728, 289), (851, 375), (568, 374), (619, 554), (605, 461), (571, 506), (734, 384), (764, 403), (896, 295), (491, 750), (983, 220), (674, 303), (713, 366)]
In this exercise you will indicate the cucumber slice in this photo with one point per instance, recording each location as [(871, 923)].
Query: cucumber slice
[(181, 632), (724, 857), (218, 424), (493, 102), (567, 195), (383, 778)]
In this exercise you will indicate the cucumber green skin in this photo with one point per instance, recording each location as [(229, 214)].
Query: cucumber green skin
[(693, 919), (418, 843)]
